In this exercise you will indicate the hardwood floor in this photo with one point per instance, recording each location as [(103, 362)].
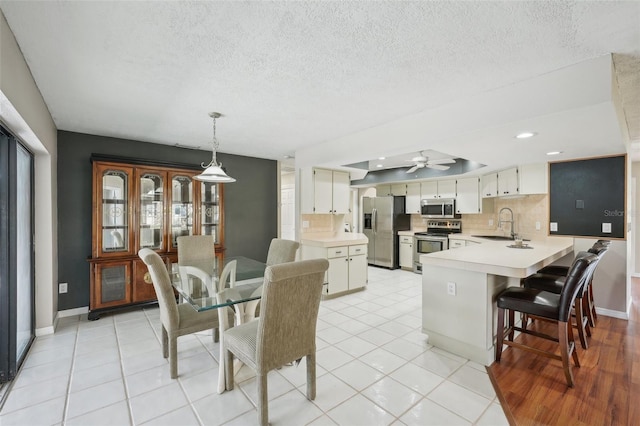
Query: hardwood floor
[(533, 391)]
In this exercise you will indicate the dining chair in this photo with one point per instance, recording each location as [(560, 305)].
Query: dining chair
[(281, 251), (197, 261), (545, 305), (286, 329), (178, 319)]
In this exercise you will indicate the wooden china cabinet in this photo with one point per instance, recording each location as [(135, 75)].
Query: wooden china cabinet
[(140, 205)]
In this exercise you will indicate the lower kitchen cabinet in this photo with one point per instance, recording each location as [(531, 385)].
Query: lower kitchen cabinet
[(406, 252), (347, 266)]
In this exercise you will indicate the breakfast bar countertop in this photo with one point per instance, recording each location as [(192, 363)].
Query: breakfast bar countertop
[(495, 257), (330, 239)]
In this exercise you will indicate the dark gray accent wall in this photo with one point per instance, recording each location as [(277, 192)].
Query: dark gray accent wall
[(250, 203)]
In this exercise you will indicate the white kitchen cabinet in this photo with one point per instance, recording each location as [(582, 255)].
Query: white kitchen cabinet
[(534, 178), (469, 199), (324, 191), (357, 267), (454, 244), (438, 189), (508, 182), (447, 188), (429, 189), (391, 189), (412, 202), (468, 195), (406, 252), (347, 266), (489, 185)]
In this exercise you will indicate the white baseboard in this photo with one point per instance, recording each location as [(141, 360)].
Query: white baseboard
[(612, 313), (72, 312), (45, 330)]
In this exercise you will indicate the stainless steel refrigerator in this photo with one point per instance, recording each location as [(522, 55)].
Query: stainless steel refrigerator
[(383, 218)]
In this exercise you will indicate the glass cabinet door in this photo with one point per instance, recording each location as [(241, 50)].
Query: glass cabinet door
[(113, 219), (181, 209), (210, 210), (112, 284), (151, 211)]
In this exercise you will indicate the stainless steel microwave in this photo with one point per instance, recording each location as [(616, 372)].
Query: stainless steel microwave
[(439, 208)]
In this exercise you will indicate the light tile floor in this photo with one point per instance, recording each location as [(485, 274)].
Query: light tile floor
[(375, 367)]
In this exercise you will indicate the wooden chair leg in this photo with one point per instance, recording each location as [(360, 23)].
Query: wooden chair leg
[(499, 334), (511, 323), (592, 305), (564, 329), (580, 323), (585, 314), (573, 352), (228, 366)]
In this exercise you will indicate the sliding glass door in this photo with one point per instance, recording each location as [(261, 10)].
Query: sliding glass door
[(16, 254)]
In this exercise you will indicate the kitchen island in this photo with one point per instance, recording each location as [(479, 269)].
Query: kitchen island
[(459, 289)]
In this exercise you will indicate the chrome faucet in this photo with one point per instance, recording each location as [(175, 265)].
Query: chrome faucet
[(500, 221)]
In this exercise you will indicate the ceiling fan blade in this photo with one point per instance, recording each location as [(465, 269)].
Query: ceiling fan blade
[(443, 161), (437, 167), (413, 169)]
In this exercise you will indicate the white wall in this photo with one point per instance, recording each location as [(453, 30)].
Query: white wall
[(24, 112)]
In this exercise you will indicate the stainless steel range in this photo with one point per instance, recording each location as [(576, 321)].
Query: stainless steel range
[(435, 239)]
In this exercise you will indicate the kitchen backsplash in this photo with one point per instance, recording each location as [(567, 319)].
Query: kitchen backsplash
[(526, 210), (333, 223)]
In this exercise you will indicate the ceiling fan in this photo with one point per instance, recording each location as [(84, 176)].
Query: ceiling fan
[(421, 161)]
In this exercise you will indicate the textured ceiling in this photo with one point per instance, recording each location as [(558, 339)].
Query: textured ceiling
[(289, 75)]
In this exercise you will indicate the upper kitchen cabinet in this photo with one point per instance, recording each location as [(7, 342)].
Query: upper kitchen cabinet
[(468, 196), (329, 191), (489, 185), (469, 199), (439, 189), (508, 182), (395, 189), (412, 202), (534, 178)]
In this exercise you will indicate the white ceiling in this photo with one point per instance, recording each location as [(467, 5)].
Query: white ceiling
[(317, 77)]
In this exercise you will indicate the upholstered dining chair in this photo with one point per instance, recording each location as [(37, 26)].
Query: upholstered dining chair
[(177, 319), (281, 251), (286, 329), (545, 305)]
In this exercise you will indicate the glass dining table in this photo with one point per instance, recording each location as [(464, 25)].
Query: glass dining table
[(198, 285)]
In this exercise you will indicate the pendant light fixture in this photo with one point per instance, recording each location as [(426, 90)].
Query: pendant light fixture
[(213, 171)]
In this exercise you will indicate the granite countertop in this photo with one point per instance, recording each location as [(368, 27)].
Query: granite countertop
[(333, 239), (494, 257)]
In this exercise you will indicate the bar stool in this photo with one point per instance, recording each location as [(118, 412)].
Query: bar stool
[(545, 305), (600, 247), (554, 284)]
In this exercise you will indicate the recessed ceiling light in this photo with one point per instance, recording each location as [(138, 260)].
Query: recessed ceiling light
[(554, 152), (381, 158), (525, 135), (378, 165)]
